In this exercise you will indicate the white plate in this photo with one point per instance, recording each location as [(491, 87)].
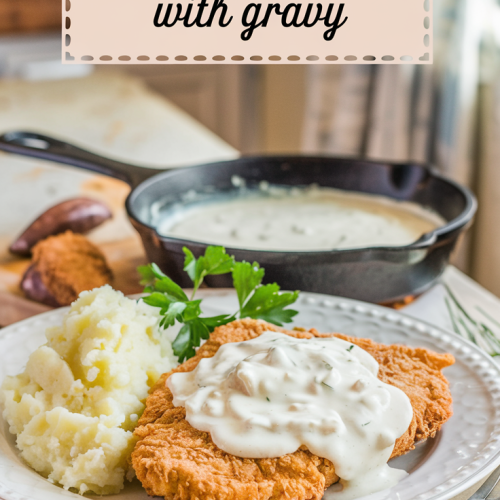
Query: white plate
[(466, 450)]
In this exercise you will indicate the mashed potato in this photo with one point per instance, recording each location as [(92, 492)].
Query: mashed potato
[(77, 402)]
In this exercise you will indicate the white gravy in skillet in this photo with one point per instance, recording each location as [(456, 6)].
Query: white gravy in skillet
[(268, 396), (301, 219)]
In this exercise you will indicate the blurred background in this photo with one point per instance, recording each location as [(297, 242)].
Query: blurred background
[(446, 114)]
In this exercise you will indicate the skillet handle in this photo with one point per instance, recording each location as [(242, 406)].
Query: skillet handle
[(47, 148)]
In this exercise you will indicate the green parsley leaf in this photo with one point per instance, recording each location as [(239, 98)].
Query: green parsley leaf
[(171, 289), (199, 330), (246, 278), (215, 261), (150, 273), (182, 345), (159, 282), (157, 271), (196, 329), (192, 311), (147, 275), (268, 304), (215, 321), (157, 299), (172, 313), (189, 263)]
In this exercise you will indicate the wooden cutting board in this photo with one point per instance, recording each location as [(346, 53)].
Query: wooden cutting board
[(116, 238)]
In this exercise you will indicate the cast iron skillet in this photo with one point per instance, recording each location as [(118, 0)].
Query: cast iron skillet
[(375, 274)]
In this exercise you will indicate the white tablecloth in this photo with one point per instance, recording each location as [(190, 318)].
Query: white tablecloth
[(431, 305)]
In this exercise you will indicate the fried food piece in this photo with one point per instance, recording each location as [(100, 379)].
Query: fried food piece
[(178, 462), (63, 266)]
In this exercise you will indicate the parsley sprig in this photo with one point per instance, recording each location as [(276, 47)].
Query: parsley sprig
[(255, 300)]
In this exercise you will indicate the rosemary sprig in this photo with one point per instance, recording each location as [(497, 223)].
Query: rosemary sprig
[(475, 330), (484, 313)]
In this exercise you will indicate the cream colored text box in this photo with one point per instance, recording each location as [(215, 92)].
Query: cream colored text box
[(124, 32)]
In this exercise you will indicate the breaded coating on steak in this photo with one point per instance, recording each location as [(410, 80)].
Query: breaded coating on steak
[(178, 462)]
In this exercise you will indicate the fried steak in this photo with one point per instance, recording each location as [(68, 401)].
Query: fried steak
[(178, 462)]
